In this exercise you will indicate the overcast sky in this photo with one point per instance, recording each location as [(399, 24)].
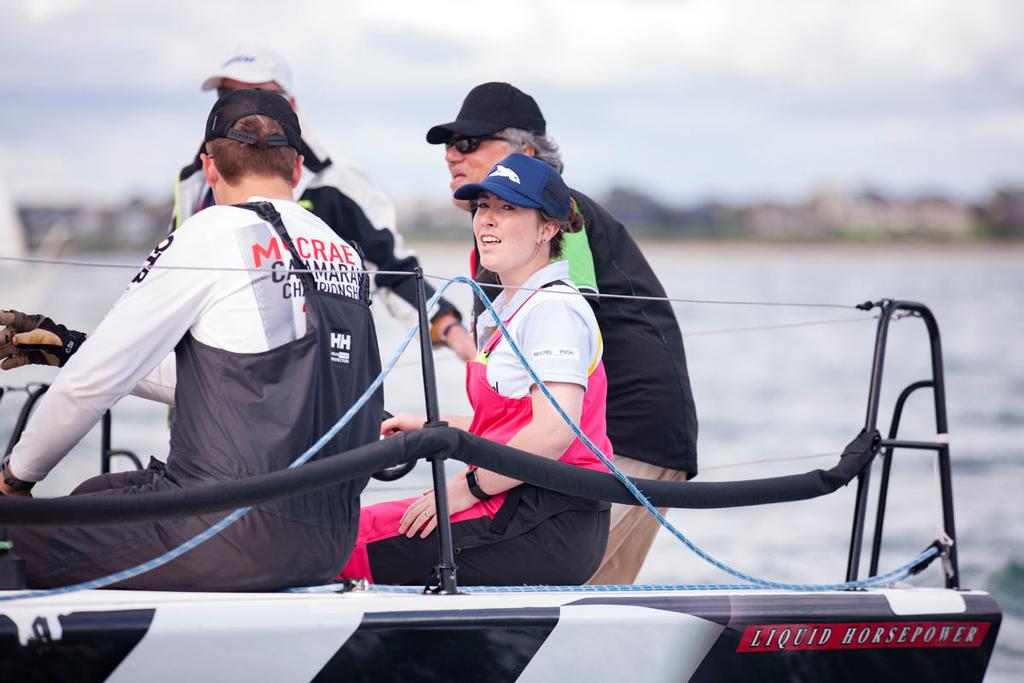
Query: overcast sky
[(689, 100)]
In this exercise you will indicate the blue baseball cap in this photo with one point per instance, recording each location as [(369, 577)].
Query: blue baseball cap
[(524, 181)]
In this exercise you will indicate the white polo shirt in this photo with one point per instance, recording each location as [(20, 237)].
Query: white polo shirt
[(554, 327), (224, 278)]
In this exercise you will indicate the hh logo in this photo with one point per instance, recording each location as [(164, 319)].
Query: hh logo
[(341, 346)]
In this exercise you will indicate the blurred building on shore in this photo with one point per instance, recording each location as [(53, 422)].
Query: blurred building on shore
[(827, 214), (833, 214)]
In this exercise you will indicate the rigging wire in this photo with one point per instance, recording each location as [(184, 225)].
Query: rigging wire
[(441, 278), (763, 461), (450, 358), (780, 326), (641, 297)]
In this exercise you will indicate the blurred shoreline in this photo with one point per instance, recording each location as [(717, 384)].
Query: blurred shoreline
[(972, 245), (1003, 249), (827, 216)]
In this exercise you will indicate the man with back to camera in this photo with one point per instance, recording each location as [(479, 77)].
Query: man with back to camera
[(652, 422), (255, 376), (333, 189)]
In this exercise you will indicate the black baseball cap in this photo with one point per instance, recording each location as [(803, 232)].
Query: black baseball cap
[(238, 104), (489, 108)]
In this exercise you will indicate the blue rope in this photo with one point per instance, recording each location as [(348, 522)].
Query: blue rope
[(631, 487), (897, 574), (240, 512), (753, 582)]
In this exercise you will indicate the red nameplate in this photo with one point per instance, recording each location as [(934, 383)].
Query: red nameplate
[(862, 635)]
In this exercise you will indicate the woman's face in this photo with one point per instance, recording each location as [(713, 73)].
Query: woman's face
[(513, 241)]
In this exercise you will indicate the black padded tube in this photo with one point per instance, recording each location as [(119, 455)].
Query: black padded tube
[(264, 488), (423, 443), (693, 495)]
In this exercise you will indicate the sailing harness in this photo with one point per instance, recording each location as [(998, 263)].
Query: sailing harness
[(240, 415)]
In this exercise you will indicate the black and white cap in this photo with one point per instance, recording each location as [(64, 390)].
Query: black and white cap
[(238, 104)]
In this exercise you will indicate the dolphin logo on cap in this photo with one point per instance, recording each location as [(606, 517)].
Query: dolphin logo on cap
[(506, 172)]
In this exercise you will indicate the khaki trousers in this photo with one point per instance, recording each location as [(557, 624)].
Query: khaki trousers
[(632, 528)]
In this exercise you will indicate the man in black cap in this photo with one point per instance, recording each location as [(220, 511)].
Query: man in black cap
[(652, 422), (220, 324), (330, 186)]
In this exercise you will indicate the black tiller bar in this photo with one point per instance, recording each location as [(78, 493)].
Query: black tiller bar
[(888, 309), (446, 568)]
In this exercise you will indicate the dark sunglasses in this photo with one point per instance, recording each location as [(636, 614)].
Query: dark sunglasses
[(471, 144), (222, 91)]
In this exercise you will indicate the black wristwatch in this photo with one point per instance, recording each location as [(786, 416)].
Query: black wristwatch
[(474, 486), (11, 480)]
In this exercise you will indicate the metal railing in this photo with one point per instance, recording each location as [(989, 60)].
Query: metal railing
[(888, 309)]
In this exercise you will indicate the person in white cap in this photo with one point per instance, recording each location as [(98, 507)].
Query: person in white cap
[(247, 357), (333, 189)]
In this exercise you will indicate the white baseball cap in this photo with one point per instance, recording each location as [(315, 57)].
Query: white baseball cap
[(252, 64)]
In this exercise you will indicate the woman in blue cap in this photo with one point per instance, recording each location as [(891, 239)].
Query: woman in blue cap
[(505, 531)]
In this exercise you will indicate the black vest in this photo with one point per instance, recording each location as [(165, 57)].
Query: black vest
[(243, 414)]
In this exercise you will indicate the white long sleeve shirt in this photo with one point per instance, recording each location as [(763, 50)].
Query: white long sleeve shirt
[(202, 280)]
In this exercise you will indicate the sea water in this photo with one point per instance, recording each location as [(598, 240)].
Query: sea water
[(779, 390)]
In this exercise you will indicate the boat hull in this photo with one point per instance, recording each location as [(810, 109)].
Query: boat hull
[(877, 635)]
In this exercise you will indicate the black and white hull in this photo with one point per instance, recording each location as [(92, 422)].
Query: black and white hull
[(916, 634)]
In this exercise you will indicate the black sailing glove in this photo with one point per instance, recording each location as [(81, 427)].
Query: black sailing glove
[(35, 340)]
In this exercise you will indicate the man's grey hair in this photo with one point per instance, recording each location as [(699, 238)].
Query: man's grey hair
[(545, 147)]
